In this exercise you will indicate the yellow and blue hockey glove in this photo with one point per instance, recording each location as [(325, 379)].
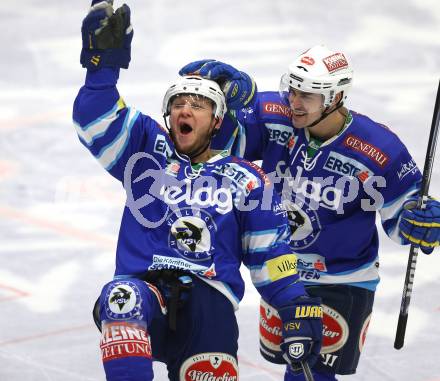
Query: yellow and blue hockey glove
[(106, 36), (421, 227), (238, 87), (302, 331)]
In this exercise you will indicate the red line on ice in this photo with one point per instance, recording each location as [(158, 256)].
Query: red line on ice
[(250, 364), (44, 335), (17, 293), (57, 227)]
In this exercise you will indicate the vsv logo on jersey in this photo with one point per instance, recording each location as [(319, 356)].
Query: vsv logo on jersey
[(192, 233), (304, 223), (123, 300)]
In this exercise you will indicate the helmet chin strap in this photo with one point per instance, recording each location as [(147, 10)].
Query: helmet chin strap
[(195, 152), (325, 114)]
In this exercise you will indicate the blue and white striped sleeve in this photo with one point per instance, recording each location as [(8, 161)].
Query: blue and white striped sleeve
[(403, 180), (266, 251), (109, 129)]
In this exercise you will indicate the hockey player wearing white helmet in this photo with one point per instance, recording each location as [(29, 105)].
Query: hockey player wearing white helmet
[(335, 170), (195, 108), (191, 218), (315, 86)]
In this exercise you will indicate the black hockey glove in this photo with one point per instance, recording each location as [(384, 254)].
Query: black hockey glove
[(238, 87), (106, 36), (302, 331)]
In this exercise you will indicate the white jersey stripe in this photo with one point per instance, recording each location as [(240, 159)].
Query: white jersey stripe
[(259, 241), (110, 154), (98, 127)]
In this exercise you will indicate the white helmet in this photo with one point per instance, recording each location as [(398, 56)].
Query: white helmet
[(198, 86), (320, 71)]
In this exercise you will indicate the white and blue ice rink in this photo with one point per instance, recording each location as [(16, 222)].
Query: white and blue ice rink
[(60, 212)]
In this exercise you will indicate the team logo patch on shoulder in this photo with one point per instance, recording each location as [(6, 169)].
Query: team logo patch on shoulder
[(213, 366), (366, 149), (123, 300)]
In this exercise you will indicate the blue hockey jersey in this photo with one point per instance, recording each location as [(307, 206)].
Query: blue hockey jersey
[(205, 220), (332, 193)]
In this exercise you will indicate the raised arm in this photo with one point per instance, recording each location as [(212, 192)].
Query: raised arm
[(109, 129)]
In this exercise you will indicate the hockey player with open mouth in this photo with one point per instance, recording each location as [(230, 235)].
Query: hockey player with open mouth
[(334, 169), (191, 218)]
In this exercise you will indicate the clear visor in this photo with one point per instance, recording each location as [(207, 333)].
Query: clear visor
[(300, 102), (195, 102)]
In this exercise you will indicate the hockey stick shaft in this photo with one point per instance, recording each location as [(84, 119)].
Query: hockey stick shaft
[(307, 372), (412, 260)]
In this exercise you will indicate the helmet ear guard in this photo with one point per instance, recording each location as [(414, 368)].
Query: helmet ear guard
[(319, 71), (197, 86)]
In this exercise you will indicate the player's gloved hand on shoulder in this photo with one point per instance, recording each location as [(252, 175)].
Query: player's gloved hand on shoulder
[(106, 36), (238, 87), (302, 331), (421, 227)]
